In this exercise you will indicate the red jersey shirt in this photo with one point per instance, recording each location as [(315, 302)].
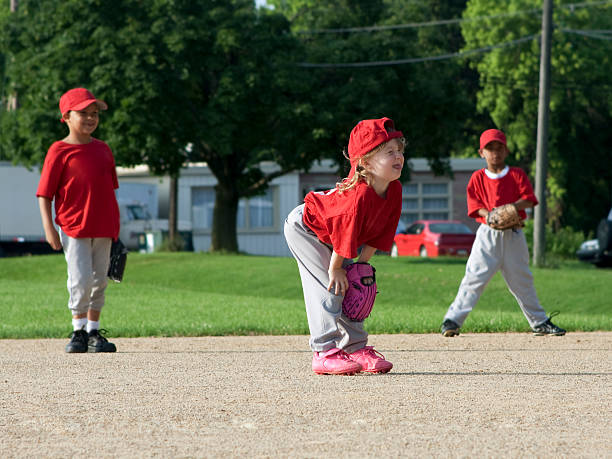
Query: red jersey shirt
[(82, 179), (355, 217), (484, 192)]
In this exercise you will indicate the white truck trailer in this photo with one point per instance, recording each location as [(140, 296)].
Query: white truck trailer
[(21, 229)]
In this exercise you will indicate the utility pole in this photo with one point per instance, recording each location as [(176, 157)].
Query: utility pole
[(11, 103), (539, 227)]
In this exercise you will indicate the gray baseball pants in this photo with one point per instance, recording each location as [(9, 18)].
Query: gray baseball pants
[(87, 260), (329, 328), (493, 251)]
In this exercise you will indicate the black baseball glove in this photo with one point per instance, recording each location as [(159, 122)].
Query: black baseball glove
[(118, 258)]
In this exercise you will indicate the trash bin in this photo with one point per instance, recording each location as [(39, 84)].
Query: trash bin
[(153, 240), (142, 243)]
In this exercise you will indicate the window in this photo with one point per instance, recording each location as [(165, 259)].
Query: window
[(202, 205), (452, 228), (429, 201), (254, 213), (417, 228)]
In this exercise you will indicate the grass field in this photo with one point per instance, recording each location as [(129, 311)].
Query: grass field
[(188, 294)]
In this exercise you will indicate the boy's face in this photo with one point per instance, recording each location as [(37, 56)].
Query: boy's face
[(495, 154), (83, 122)]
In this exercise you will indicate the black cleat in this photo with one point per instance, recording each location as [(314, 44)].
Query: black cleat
[(548, 328), (98, 343), (78, 342), (449, 328)]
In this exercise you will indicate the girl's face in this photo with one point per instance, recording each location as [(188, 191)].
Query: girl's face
[(386, 165), (83, 122)]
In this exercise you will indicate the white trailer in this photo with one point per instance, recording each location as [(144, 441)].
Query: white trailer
[(21, 228)]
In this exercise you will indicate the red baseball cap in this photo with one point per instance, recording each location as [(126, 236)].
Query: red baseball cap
[(78, 99), (490, 135), (368, 134)]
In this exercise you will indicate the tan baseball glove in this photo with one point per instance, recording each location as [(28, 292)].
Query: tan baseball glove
[(504, 217)]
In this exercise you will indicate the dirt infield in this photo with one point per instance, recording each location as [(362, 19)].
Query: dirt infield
[(474, 395)]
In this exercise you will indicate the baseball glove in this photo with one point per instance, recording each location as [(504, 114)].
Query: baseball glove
[(118, 258), (504, 217), (360, 296)]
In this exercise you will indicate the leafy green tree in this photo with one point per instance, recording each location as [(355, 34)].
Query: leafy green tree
[(201, 80), (580, 179), (430, 101)]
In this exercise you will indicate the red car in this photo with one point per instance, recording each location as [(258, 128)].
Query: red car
[(431, 238)]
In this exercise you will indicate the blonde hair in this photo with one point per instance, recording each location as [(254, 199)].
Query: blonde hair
[(361, 173)]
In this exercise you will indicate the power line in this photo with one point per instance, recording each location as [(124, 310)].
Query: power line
[(599, 35), (412, 25), (420, 59)]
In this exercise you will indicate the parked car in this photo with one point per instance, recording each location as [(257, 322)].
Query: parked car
[(431, 238), (598, 251)]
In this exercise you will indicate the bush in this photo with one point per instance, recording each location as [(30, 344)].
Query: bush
[(559, 244), (175, 245)]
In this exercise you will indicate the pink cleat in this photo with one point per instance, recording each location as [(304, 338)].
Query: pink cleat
[(371, 360), (334, 362)]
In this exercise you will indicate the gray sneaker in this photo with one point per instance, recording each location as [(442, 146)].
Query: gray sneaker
[(99, 343), (449, 328)]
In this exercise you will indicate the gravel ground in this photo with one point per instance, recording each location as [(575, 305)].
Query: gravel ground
[(474, 395)]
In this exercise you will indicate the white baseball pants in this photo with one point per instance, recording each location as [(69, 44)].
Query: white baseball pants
[(329, 328), (87, 260), (493, 251)]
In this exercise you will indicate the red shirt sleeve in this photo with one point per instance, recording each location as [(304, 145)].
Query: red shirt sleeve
[(525, 188), (475, 194), (51, 173)]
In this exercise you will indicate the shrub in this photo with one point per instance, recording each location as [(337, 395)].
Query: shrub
[(560, 244)]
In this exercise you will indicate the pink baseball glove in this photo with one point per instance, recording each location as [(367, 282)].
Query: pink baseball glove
[(359, 297)]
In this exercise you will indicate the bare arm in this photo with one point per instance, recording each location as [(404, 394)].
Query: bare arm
[(366, 253), (338, 283), (523, 204), (47, 220)]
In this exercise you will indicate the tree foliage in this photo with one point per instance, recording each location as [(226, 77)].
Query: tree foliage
[(431, 102), (579, 181), (202, 80)]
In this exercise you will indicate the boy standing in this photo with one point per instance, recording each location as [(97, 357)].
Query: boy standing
[(79, 174), (493, 249)]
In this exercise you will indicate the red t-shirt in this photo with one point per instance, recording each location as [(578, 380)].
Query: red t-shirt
[(484, 192), (82, 179), (355, 217)]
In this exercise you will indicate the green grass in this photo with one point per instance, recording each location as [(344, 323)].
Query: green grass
[(187, 294)]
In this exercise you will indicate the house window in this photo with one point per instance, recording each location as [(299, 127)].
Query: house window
[(203, 203), (254, 213), (430, 201)]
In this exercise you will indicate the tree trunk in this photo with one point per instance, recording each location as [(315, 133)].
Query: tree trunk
[(224, 238), (172, 211)]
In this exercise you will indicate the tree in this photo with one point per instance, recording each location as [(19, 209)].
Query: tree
[(217, 77), (579, 185), (432, 102)]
